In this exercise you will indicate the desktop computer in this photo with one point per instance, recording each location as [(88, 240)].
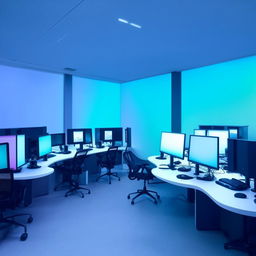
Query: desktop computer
[(44, 146), (113, 136), (59, 139), (204, 151), (79, 137), (173, 144), (16, 150)]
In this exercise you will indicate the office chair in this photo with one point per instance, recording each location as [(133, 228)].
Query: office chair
[(72, 169), (109, 163), (9, 199), (141, 170)]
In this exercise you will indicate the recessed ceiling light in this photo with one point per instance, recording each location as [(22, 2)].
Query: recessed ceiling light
[(122, 20), (135, 25)]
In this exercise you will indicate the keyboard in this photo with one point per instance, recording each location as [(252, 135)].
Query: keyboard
[(232, 184)]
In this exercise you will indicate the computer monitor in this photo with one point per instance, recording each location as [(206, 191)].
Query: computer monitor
[(245, 152), (4, 157), (21, 150), (233, 133), (200, 132), (204, 150), (16, 150), (173, 144), (58, 139), (223, 139), (44, 146), (111, 135), (79, 136)]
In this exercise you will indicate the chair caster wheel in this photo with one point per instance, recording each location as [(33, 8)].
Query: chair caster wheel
[(30, 219), (82, 196), (128, 197), (66, 195), (158, 197), (132, 202), (89, 192), (119, 179), (24, 236), (155, 202), (109, 183)]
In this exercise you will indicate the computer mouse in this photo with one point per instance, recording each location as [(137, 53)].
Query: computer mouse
[(177, 162), (240, 195), (184, 177), (184, 169)]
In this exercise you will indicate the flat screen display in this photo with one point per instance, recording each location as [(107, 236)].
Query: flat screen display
[(173, 144), (11, 140), (3, 156), (108, 135), (200, 132), (58, 139), (21, 151), (223, 139), (45, 145), (233, 133), (204, 150), (78, 136)]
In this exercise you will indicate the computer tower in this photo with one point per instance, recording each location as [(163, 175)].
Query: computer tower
[(128, 137)]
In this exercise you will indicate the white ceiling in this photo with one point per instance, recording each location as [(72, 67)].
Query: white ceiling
[(85, 35)]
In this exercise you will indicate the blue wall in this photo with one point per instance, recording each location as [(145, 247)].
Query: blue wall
[(95, 103), (146, 108), (221, 94), (31, 98)]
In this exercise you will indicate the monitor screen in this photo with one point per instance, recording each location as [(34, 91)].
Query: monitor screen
[(108, 135), (11, 140), (204, 150), (4, 161), (223, 139), (45, 145), (21, 151), (78, 137), (200, 132), (233, 133), (173, 144), (58, 139), (88, 136)]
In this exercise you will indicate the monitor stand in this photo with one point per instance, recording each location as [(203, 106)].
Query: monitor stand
[(254, 185), (171, 165), (161, 157), (197, 171), (81, 147)]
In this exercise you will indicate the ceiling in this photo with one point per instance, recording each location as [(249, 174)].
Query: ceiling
[(86, 35)]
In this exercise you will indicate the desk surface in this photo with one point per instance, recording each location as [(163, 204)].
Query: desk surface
[(45, 170), (220, 195)]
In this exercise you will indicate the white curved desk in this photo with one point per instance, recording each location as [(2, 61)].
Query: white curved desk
[(222, 196), (45, 170)]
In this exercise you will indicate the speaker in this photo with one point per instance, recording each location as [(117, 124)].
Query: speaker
[(128, 137)]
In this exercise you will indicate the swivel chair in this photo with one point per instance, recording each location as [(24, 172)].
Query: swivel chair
[(72, 169), (9, 199), (109, 164), (141, 170)]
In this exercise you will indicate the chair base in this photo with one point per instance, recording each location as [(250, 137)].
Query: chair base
[(144, 191), (109, 174), (76, 189), (10, 220)]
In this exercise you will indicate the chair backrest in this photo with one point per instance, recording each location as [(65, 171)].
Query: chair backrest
[(78, 161), (111, 155), (130, 159)]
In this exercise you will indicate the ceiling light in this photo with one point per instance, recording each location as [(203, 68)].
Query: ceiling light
[(135, 25), (122, 20)]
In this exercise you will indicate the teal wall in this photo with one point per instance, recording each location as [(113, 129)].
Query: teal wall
[(221, 94), (95, 103), (146, 108)]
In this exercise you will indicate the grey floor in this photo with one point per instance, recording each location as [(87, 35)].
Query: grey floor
[(105, 223)]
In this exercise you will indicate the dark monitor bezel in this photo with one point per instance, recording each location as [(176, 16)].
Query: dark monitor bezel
[(206, 131), (218, 162), (63, 139), (8, 159), (184, 143)]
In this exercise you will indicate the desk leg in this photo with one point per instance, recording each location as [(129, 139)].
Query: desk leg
[(26, 188), (207, 213)]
